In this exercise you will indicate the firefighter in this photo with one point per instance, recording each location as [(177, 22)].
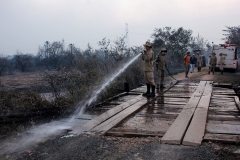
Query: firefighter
[(212, 63), (187, 63), (160, 66), (199, 61), (221, 63), (147, 57)]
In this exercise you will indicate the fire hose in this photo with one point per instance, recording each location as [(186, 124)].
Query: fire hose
[(170, 73)]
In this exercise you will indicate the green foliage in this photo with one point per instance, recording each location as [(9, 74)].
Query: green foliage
[(23, 100), (232, 35)]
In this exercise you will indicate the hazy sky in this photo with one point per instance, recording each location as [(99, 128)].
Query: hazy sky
[(27, 24)]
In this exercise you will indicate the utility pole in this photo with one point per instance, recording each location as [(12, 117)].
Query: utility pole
[(46, 52), (71, 47), (126, 36)]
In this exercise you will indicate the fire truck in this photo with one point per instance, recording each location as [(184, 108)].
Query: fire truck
[(229, 52)]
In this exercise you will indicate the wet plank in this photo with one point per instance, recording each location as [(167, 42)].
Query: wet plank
[(176, 131), (237, 102), (224, 112), (103, 117), (114, 120), (223, 118), (133, 133), (223, 128), (222, 138), (196, 129), (168, 116), (195, 132), (224, 122)]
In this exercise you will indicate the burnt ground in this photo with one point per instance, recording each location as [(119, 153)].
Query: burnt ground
[(106, 147)]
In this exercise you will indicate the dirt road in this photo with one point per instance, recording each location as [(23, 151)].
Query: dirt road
[(99, 147)]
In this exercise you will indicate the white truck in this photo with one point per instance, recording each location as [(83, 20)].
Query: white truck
[(229, 52)]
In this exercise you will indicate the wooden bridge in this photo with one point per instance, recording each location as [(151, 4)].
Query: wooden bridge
[(183, 113)]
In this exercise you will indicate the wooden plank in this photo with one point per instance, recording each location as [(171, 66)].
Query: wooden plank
[(176, 103), (222, 138), (113, 121), (196, 129), (168, 116), (177, 130), (100, 119), (223, 128), (178, 95), (224, 122), (222, 107), (224, 112), (223, 118), (133, 133), (237, 102)]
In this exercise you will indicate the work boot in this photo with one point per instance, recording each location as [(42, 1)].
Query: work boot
[(153, 92), (148, 90), (161, 86)]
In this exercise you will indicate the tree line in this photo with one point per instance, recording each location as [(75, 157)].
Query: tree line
[(79, 71)]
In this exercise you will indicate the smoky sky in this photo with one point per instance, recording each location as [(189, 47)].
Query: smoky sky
[(27, 24)]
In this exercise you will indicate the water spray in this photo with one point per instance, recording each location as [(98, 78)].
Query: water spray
[(82, 107)]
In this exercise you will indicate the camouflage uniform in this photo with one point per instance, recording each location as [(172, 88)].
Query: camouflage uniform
[(221, 63), (148, 68), (147, 57), (160, 66), (212, 63), (199, 62)]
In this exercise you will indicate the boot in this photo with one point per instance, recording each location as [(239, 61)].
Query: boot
[(153, 92), (148, 90), (161, 86), (157, 86)]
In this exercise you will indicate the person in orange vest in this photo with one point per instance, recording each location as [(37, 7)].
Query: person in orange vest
[(187, 63)]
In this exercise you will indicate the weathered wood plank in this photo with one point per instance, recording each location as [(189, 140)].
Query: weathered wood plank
[(223, 128), (166, 116), (133, 133), (195, 132), (224, 112), (100, 119), (223, 118), (237, 102), (114, 120), (224, 122), (177, 130), (222, 138)]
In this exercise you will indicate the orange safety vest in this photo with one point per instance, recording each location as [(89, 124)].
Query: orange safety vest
[(186, 59)]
